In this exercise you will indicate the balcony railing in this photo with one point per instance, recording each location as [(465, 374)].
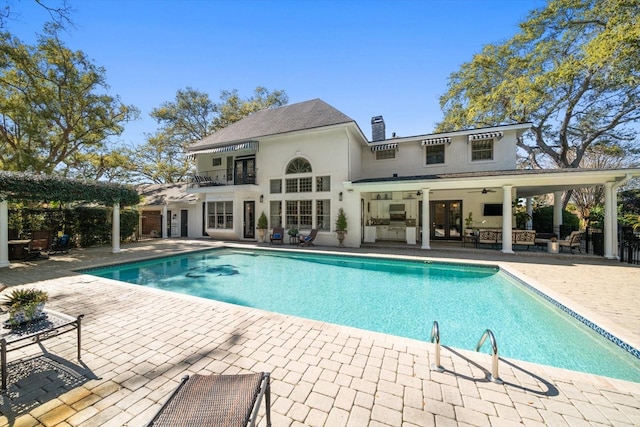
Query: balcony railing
[(213, 179)]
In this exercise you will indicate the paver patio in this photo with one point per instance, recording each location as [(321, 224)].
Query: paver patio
[(138, 343)]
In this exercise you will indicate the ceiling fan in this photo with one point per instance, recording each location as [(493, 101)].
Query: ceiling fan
[(483, 191)]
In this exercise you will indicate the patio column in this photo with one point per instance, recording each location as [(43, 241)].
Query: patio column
[(426, 228), (557, 212), (163, 222), (115, 230), (609, 219), (530, 213), (4, 233), (507, 220)]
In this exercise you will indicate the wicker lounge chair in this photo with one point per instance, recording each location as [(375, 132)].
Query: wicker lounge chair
[(308, 240), (216, 400), (277, 235)]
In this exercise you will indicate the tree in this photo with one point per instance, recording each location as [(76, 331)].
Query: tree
[(233, 108), (573, 71), (51, 108), (59, 11), (189, 118)]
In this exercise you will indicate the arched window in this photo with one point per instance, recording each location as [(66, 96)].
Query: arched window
[(298, 165)]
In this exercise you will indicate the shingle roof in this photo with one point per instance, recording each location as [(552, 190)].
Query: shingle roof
[(301, 116), (160, 194)]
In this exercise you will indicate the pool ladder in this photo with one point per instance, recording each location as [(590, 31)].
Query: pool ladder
[(493, 376)]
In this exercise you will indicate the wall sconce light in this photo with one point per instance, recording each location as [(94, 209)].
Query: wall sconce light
[(261, 198), (175, 216), (419, 193), (340, 196)]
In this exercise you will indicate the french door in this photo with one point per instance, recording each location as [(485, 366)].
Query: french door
[(446, 220), (249, 219)]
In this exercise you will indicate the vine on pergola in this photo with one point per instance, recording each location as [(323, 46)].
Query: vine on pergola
[(19, 187)]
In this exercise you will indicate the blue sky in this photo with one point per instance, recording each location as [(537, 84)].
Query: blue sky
[(366, 58)]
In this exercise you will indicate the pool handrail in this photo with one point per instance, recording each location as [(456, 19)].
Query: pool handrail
[(435, 335), (493, 376)]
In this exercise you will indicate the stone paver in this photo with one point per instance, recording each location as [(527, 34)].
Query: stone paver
[(138, 342)]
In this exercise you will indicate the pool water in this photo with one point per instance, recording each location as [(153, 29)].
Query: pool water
[(395, 297)]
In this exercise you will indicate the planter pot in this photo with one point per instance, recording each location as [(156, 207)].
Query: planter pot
[(26, 314), (262, 234), (341, 235)]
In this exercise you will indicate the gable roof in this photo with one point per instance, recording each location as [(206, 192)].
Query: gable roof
[(289, 118)]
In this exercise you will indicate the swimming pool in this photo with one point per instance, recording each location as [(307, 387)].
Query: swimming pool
[(391, 296)]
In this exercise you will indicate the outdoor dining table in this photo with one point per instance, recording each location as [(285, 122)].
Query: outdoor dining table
[(16, 248), (50, 325)]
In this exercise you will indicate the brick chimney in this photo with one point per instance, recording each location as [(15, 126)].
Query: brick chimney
[(377, 129)]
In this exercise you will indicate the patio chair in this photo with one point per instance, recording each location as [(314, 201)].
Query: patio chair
[(61, 245), (308, 240), (39, 244), (572, 241), (216, 400), (277, 235)]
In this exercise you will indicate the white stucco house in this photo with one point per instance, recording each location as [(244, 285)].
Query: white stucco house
[(300, 163)]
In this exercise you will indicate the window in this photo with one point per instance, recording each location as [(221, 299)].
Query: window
[(385, 154), (482, 149), (229, 168), (298, 165), (275, 213), (323, 183), (435, 154), (298, 185), (275, 186), (299, 214), (217, 161), (323, 215), (220, 215)]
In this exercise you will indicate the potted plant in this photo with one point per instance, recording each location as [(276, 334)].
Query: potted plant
[(25, 305), (341, 226), (293, 232), (468, 221), (263, 224)]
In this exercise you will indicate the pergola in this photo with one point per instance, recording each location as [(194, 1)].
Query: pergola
[(21, 187)]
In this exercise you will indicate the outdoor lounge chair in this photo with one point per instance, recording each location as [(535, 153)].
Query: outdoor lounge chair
[(60, 245), (216, 400), (308, 240), (277, 235), (572, 241)]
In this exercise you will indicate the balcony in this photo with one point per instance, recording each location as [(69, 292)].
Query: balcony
[(215, 179)]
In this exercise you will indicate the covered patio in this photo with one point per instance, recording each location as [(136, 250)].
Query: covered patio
[(504, 187)]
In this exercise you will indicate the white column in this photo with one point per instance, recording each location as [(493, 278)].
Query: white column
[(507, 220), (163, 222), (115, 230), (609, 219), (530, 213), (426, 227), (557, 213), (4, 233)]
